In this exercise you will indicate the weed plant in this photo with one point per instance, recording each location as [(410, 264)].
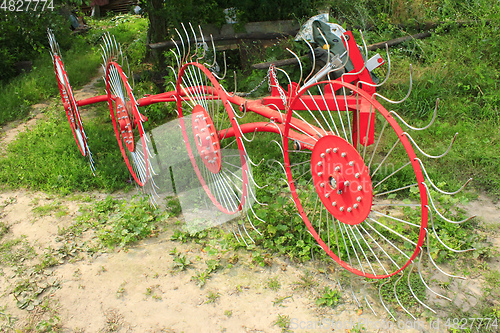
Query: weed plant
[(120, 222), (329, 297)]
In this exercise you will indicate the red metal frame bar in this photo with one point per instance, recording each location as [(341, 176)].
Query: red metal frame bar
[(317, 103)]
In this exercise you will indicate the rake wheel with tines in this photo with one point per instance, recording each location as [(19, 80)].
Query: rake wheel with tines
[(126, 118), (123, 107), (212, 136), (354, 173), (68, 99), (352, 166)]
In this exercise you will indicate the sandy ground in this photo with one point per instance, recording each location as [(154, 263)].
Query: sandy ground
[(136, 290)]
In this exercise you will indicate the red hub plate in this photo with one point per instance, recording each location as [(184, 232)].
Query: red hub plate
[(125, 124), (341, 179), (206, 139)]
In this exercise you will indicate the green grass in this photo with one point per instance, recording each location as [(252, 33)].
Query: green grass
[(13, 252), (120, 222), (40, 84), (81, 63), (4, 229), (47, 158)]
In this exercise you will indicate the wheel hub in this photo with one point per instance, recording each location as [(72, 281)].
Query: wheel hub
[(125, 124), (341, 179), (206, 139)]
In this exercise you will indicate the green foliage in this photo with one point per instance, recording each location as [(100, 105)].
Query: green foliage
[(120, 222), (181, 262), (15, 251), (133, 220), (212, 297), (283, 322), (273, 283), (47, 158), (330, 297), (23, 36), (265, 10), (403, 292), (4, 229)]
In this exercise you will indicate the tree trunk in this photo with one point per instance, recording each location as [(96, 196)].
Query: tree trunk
[(157, 30)]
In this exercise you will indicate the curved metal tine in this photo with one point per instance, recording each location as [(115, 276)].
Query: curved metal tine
[(225, 69), (279, 129), (435, 265), (397, 299), (175, 73), (188, 41), (277, 109), (327, 45), (279, 145), (183, 46), (235, 85), (117, 49), (109, 44), (354, 295), (300, 65), (244, 228), (376, 85), (439, 239), (244, 112), (364, 62), (422, 278), (314, 59), (104, 49), (282, 167), (411, 290), (382, 300), (215, 55), (195, 43), (54, 46), (346, 54), (250, 220), (437, 188), (103, 54), (131, 75), (427, 155), (121, 52), (256, 185), (417, 128), (258, 218), (242, 134), (369, 306), (245, 149), (234, 233), (286, 74), (178, 54), (203, 43), (441, 215), (239, 230), (253, 194), (404, 98)]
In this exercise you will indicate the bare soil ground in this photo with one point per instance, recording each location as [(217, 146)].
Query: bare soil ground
[(87, 288)]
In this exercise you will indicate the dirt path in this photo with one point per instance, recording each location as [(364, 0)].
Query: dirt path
[(137, 290)]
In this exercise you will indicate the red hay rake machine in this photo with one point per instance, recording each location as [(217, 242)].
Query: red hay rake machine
[(352, 166)]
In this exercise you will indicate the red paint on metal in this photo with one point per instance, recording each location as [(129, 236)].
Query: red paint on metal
[(341, 179), (206, 139)]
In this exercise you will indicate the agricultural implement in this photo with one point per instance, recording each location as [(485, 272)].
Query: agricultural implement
[(352, 166)]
